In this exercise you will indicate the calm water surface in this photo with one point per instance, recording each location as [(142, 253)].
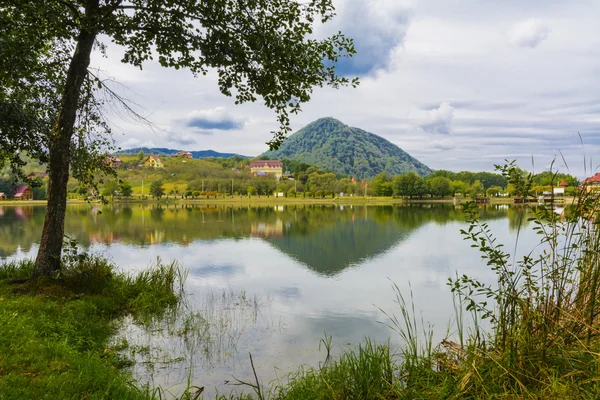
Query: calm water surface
[(273, 281)]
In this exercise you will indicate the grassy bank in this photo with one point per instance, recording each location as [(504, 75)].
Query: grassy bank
[(55, 334)]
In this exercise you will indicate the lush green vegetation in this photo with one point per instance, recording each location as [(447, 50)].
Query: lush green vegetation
[(443, 183), (56, 333), (220, 177), (329, 144)]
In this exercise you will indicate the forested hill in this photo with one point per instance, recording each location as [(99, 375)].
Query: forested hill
[(165, 151), (329, 144)]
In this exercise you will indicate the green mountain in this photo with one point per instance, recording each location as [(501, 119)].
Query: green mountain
[(329, 144)]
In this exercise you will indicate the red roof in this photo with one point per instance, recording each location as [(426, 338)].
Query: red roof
[(154, 157), (593, 179), (268, 163), (563, 183), (18, 192)]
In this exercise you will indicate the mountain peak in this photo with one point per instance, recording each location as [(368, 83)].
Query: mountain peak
[(332, 145), (327, 120)]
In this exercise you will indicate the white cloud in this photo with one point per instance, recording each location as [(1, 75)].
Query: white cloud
[(148, 143), (529, 33), (182, 139), (131, 142), (135, 142), (438, 120)]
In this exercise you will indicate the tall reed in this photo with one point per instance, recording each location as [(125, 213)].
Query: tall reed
[(546, 301)]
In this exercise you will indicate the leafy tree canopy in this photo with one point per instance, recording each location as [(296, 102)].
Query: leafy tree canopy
[(156, 189)]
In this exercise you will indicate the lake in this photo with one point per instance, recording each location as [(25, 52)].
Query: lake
[(273, 281)]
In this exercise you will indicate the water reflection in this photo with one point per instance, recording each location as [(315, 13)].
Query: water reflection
[(325, 238), (314, 270)]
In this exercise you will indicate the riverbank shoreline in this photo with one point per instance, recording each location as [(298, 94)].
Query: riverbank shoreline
[(275, 201)]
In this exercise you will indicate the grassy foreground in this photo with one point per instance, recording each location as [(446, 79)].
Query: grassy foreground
[(55, 334)]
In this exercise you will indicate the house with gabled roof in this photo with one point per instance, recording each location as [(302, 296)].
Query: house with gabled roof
[(267, 168), (114, 162), (23, 192), (153, 161), (592, 183), (183, 154)]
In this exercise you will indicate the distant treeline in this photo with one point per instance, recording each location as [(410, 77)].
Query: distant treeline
[(214, 177)]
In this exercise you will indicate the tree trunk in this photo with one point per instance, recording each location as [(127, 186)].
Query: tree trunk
[(49, 254)]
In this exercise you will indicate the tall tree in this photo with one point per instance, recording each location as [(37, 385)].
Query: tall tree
[(411, 185), (259, 48), (157, 190), (382, 184), (440, 186), (110, 188)]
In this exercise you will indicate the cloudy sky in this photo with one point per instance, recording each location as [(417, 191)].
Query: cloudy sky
[(459, 84)]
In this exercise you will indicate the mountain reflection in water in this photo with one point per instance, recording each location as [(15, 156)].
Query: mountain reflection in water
[(325, 238)]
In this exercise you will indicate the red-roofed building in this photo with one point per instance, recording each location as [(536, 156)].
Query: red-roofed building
[(563, 183), (267, 168), (594, 180), (114, 162), (183, 154), (592, 183), (23, 192)]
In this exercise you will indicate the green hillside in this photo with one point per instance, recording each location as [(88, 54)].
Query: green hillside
[(329, 144)]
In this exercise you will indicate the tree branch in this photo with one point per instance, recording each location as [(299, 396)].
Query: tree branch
[(74, 9)]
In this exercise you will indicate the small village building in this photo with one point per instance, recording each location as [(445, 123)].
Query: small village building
[(23, 192), (37, 174), (153, 161), (114, 162), (267, 168), (183, 154), (2, 196), (563, 184), (592, 183)]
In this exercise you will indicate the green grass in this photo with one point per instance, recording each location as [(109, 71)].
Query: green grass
[(55, 334)]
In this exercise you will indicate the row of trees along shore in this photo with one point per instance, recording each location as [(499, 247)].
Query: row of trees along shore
[(213, 178), (218, 177)]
